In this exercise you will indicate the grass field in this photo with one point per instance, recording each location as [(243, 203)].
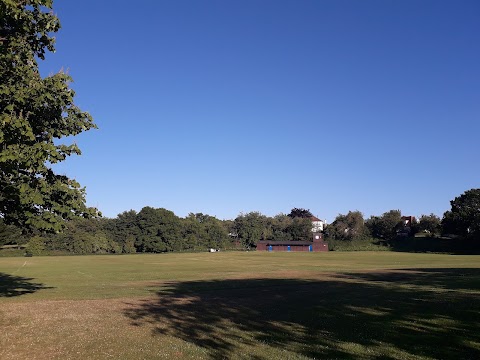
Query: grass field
[(243, 305)]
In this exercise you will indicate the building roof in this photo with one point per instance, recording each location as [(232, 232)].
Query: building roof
[(273, 242), (314, 218)]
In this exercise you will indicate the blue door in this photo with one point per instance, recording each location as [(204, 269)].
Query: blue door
[(288, 248), (310, 248)]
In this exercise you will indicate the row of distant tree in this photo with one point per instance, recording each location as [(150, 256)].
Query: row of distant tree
[(387, 226), (463, 220), (159, 230)]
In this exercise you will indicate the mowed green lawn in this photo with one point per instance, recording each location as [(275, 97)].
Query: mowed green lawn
[(241, 305)]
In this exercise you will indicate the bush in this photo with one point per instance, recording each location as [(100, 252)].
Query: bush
[(368, 244), (35, 246)]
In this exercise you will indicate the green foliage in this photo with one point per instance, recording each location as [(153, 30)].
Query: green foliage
[(301, 213), (35, 246), (83, 236), (250, 228), (201, 231), (361, 244), (151, 230), (280, 225), (464, 217), (215, 234), (128, 246), (159, 230), (385, 226), (348, 227), (253, 226), (34, 113), (430, 224), (300, 229), (124, 230), (10, 234)]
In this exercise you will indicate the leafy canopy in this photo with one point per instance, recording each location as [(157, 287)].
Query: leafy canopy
[(34, 113), (464, 217), (300, 213), (348, 227), (385, 226)]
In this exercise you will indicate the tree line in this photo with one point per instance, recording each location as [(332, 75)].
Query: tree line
[(463, 220), (158, 230), (388, 226)]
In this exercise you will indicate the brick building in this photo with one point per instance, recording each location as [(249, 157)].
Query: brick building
[(317, 244)]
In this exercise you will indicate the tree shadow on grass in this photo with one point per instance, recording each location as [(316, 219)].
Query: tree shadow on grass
[(386, 315), (457, 246), (11, 285)]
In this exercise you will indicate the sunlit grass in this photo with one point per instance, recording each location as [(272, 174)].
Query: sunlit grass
[(241, 305)]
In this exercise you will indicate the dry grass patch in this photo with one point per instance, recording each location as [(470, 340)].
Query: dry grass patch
[(93, 329), (241, 306)]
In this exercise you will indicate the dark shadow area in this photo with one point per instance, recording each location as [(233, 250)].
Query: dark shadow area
[(438, 279), (456, 246), (11, 285), (391, 314)]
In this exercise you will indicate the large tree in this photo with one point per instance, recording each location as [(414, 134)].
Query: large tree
[(300, 229), (348, 227), (300, 213), (385, 226), (464, 217), (430, 224), (34, 113), (124, 229), (250, 228), (202, 231), (160, 231)]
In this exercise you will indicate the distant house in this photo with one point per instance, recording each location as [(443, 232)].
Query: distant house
[(317, 224), (317, 244), (407, 223)]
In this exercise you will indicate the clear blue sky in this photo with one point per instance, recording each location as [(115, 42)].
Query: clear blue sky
[(224, 107)]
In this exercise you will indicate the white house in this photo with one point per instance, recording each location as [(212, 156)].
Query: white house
[(317, 224)]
